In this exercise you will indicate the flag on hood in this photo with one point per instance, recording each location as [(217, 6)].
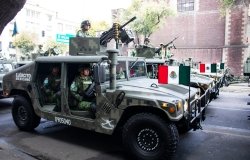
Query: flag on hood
[(15, 31), (174, 74), (208, 68), (222, 65)]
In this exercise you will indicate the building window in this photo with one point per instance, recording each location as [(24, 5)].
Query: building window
[(60, 27), (49, 18), (32, 14), (185, 5)]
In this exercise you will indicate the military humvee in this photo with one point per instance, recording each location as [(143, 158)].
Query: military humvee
[(204, 84), (147, 113)]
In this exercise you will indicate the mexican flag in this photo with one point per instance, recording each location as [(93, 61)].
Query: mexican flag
[(174, 74), (208, 68), (221, 65)]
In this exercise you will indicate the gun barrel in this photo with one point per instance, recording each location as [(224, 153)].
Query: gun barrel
[(107, 36), (132, 19)]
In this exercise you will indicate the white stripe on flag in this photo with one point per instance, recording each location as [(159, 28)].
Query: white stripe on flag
[(208, 68), (173, 74)]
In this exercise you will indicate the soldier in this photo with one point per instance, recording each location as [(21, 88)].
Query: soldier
[(168, 53), (51, 87), (79, 87), (147, 43), (40, 50), (85, 26), (120, 74), (162, 52)]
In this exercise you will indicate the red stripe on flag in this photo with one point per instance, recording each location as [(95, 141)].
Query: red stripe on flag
[(163, 74), (202, 68)]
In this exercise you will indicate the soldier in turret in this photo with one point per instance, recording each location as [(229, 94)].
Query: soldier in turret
[(147, 43), (84, 32)]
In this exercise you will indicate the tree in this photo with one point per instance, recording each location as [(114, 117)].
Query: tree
[(54, 48), (9, 9), (26, 43), (98, 27), (150, 15), (227, 4)]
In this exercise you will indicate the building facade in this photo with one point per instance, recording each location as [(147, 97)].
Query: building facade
[(45, 24), (206, 36)]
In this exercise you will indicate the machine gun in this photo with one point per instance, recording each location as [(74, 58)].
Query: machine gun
[(115, 32), (166, 45)]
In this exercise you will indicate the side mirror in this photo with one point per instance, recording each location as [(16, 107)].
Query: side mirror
[(99, 74)]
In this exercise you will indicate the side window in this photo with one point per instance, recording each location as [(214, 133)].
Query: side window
[(48, 80), (79, 80)]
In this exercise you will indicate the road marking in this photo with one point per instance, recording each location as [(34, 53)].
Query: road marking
[(233, 109), (238, 132)]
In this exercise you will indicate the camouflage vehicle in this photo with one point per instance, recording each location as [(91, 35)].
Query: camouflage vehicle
[(203, 83), (20, 63), (5, 67), (145, 113)]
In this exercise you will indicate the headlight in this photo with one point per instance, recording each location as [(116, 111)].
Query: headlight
[(172, 107), (186, 105), (179, 105)]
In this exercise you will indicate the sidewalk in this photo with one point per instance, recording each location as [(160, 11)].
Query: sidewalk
[(236, 88), (11, 153)]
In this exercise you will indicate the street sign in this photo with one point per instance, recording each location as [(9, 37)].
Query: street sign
[(63, 38)]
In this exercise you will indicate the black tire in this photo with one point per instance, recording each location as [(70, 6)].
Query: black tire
[(143, 128), (24, 115)]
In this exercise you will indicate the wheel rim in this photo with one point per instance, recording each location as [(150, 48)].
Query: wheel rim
[(22, 114), (148, 139)]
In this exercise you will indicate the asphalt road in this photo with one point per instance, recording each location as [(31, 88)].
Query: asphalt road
[(225, 135)]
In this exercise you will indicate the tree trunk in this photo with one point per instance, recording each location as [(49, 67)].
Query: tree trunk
[(8, 10)]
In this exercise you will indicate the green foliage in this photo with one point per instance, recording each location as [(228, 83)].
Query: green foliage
[(149, 14), (98, 26), (226, 4), (59, 47), (25, 42)]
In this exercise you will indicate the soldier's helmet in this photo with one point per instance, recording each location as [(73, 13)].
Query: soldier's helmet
[(85, 23), (84, 66)]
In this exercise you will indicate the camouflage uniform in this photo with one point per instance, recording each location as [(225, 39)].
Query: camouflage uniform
[(82, 33), (78, 88), (52, 87)]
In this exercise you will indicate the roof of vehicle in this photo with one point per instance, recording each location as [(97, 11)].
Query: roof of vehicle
[(6, 61), (77, 59), (155, 60), (130, 58)]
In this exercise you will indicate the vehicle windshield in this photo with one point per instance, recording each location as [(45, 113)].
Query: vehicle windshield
[(5, 67), (137, 69)]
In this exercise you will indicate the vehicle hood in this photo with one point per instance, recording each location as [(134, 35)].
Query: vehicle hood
[(153, 88), (196, 78)]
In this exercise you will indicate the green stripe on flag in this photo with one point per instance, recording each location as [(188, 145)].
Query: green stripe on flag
[(222, 65), (184, 75), (213, 68)]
